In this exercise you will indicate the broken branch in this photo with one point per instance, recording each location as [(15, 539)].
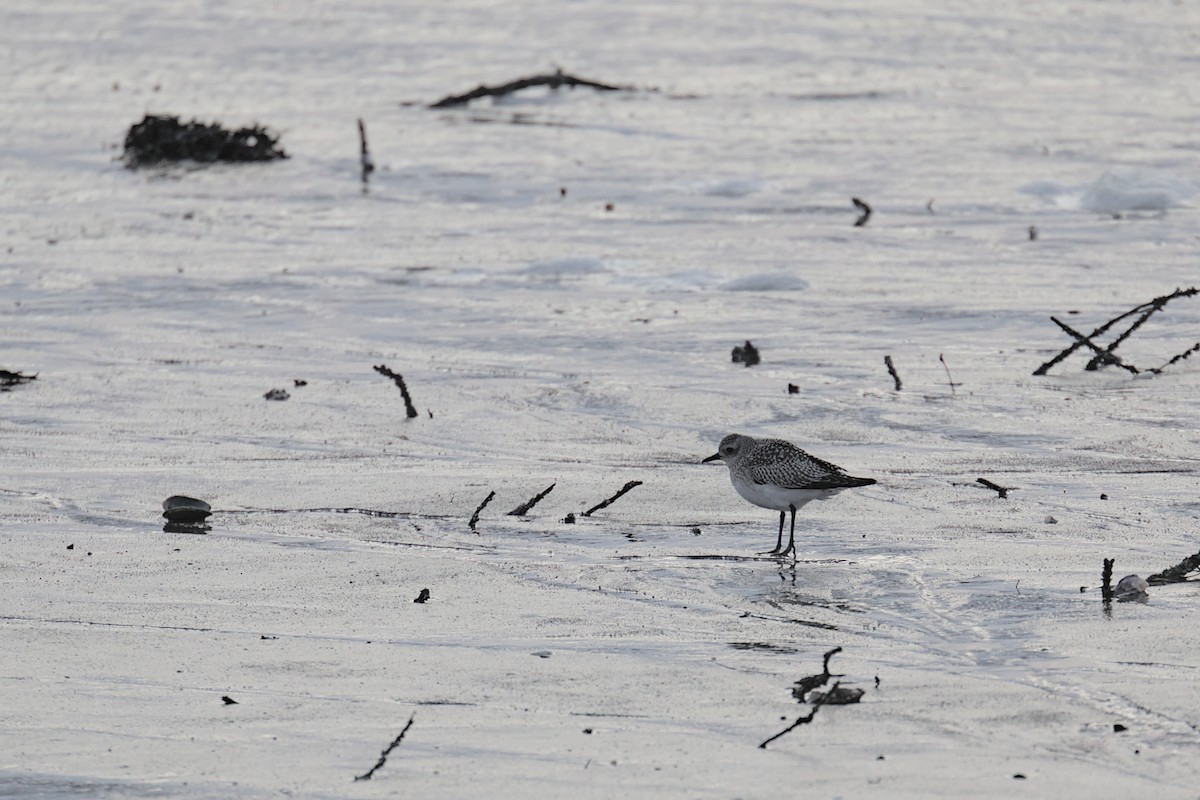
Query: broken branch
[(478, 511), (611, 500), (366, 776), (554, 81), (1105, 356), (368, 166), (1001, 490), (891, 368), (805, 719), (523, 509), (864, 208), (410, 409), (1177, 573), (949, 379)]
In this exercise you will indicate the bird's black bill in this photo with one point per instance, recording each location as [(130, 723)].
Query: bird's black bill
[(713, 457)]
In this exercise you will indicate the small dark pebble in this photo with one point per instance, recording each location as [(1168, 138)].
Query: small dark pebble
[(229, 701), (587, 730), (422, 597), (1119, 728), (695, 531), (1018, 777), (277, 394), (793, 389), (1103, 497), (70, 547), (299, 382), (609, 206), (569, 518), (879, 758), (183, 509), (268, 637)]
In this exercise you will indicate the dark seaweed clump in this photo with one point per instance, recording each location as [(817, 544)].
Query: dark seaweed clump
[(157, 140)]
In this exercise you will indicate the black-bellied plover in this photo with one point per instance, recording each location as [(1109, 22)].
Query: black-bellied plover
[(776, 474)]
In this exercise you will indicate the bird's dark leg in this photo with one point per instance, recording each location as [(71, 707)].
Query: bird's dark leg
[(778, 540), (791, 548)]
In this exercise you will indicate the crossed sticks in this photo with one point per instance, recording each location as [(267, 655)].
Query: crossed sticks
[(1104, 356)]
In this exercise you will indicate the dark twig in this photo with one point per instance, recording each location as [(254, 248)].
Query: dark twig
[(366, 776), (368, 166), (478, 511), (864, 208), (611, 500), (14, 378), (554, 81), (1177, 573), (1145, 310), (1181, 357), (804, 719), (1100, 361), (949, 379), (523, 509), (1106, 592), (891, 368), (395, 376), (1103, 357), (1001, 490)]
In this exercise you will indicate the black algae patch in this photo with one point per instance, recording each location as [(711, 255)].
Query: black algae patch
[(159, 140)]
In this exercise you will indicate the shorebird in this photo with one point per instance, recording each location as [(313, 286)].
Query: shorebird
[(776, 474)]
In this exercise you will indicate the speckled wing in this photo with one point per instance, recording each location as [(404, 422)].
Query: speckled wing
[(781, 463)]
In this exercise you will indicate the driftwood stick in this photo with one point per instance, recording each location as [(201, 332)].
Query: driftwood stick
[(383, 757), (482, 506), (368, 166), (1181, 357), (523, 509), (1177, 573), (1001, 490), (1102, 355), (1106, 579), (891, 368), (554, 81), (611, 500), (410, 409), (804, 720), (1145, 309), (1099, 361), (865, 212), (949, 378)]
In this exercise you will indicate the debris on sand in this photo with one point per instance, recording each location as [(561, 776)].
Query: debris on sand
[(163, 139), (746, 354), (554, 81), (184, 509), (10, 379)]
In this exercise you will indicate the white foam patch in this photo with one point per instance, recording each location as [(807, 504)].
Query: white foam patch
[(766, 282), (1136, 190), (564, 267), (1117, 190)]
